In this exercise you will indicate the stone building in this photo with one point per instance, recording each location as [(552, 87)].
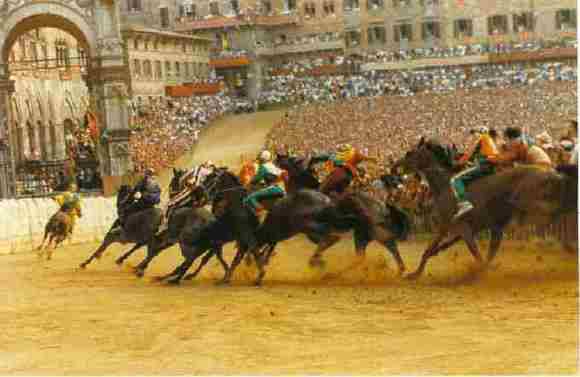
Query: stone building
[(249, 35), (157, 59)]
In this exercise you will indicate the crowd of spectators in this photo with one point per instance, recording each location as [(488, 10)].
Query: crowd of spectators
[(297, 89), (163, 129), (388, 126)]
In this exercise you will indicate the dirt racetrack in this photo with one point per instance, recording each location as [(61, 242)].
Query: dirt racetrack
[(519, 317)]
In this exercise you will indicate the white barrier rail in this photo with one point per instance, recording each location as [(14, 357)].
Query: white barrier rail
[(22, 222)]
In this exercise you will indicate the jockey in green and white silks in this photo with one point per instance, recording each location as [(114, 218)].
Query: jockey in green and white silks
[(273, 176)]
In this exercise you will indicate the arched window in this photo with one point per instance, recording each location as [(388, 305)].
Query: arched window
[(136, 67), (158, 70)]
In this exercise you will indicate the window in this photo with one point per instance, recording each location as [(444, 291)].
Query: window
[(350, 5), (147, 72), (290, 5), (82, 57), (235, 6), (328, 8), (177, 69), (376, 35), (137, 67), (164, 14), (430, 30), (429, 3), (168, 70), (523, 22), (214, 8), (566, 19), (310, 9), (134, 5), (497, 25), (352, 38), (403, 32), (266, 6), (158, 70), (186, 69), (463, 28), (375, 4), (401, 3), (135, 44)]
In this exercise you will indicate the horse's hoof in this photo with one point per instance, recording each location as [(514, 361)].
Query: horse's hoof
[(317, 262), (139, 273), (412, 276), (157, 279), (189, 277), (174, 281), (83, 266), (222, 282), (119, 262)]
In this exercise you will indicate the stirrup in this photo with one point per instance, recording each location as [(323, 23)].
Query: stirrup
[(464, 207)]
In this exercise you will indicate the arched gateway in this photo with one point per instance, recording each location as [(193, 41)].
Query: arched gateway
[(96, 26)]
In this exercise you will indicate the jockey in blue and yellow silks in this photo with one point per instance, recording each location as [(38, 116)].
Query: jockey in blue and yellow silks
[(273, 176), (482, 153), (70, 202)]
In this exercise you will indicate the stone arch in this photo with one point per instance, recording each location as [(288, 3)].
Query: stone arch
[(95, 24), (32, 15)]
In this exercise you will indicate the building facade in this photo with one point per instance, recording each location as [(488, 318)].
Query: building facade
[(158, 59), (249, 35)]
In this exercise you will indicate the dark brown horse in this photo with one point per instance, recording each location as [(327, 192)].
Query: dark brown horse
[(531, 194), (58, 228)]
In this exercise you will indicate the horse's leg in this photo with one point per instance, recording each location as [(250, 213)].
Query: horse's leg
[(230, 271), (391, 245), (431, 251), (109, 239), (43, 241), (122, 258), (469, 238), (323, 245), (495, 241), (153, 250), (182, 269), (207, 256), (268, 253)]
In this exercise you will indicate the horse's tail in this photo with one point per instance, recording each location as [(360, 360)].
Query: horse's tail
[(333, 217), (400, 220)]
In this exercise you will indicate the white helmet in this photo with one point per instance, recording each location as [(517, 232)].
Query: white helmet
[(266, 156), (481, 130)]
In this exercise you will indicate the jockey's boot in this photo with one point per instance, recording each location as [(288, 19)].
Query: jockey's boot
[(462, 208)]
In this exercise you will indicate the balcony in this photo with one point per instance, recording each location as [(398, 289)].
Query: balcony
[(300, 48), (276, 20), (220, 22)]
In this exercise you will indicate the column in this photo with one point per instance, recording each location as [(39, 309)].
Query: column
[(6, 157)]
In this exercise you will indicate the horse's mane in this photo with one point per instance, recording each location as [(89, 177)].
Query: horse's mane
[(442, 153), (568, 170)]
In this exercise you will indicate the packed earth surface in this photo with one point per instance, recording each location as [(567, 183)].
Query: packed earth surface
[(356, 316)]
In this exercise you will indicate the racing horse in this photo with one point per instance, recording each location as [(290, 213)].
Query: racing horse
[(57, 229), (139, 228), (529, 193), (234, 222)]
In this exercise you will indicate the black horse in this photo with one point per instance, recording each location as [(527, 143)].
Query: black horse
[(139, 228), (234, 223)]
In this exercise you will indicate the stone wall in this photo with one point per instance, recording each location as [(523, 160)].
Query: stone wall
[(22, 222)]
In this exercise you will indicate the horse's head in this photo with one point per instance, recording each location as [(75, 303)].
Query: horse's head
[(220, 188), (176, 184), (427, 154), (123, 194)]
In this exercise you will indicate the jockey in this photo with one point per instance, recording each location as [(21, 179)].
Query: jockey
[(520, 151), (70, 202), (574, 136), (274, 179), (146, 194), (482, 152), (345, 164)]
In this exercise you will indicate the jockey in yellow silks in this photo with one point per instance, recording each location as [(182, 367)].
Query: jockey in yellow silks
[(70, 202)]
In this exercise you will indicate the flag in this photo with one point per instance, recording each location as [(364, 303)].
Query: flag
[(92, 125)]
